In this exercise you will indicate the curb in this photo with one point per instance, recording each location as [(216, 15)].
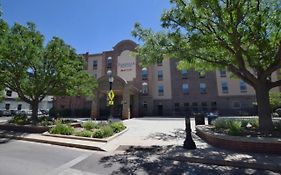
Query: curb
[(259, 166), (73, 145)]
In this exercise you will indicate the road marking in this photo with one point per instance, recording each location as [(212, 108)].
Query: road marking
[(68, 164)]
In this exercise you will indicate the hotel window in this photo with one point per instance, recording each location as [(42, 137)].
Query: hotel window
[(202, 75), (236, 105), (203, 88), (160, 75), (144, 88), (145, 106), (185, 89), (177, 107), (223, 73), (160, 90), (159, 62), (95, 64), (184, 74), (186, 107), (204, 106), (243, 87), (7, 106), (8, 93), (214, 106), (109, 62), (194, 107), (224, 87), (144, 73)]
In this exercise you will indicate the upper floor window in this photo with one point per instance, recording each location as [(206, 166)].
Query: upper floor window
[(160, 90), (202, 75), (144, 88), (222, 73), (8, 93), (185, 88), (160, 75), (243, 86), (95, 64), (109, 62), (203, 88), (224, 87), (144, 73), (159, 62), (184, 74)]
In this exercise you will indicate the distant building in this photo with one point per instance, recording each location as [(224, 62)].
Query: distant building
[(160, 89), (12, 102)]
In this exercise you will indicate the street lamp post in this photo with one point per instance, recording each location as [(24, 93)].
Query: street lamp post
[(110, 80), (188, 142)]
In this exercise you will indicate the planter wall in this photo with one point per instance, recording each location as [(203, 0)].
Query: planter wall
[(259, 145), (26, 128)]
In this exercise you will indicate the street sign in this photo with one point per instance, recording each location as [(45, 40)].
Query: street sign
[(110, 103), (111, 95)]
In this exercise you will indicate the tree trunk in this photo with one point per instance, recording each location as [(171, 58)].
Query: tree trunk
[(34, 108), (264, 109)]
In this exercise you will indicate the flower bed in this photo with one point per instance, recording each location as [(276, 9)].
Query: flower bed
[(22, 123), (88, 130)]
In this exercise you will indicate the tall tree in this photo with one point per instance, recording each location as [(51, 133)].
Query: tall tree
[(35, 70), (240, 35)]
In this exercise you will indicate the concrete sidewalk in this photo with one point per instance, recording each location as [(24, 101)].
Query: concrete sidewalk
[(165, 136)]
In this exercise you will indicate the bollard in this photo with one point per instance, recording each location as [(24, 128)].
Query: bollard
[(188, 142)]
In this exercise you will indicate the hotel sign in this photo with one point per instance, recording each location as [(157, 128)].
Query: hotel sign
[(126, 66)]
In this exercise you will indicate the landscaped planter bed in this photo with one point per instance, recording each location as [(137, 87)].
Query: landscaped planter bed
[(239, 143), (86, 138)]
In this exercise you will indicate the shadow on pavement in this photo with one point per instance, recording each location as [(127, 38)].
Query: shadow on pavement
[(6, 136), (155, 160), (175, 135)]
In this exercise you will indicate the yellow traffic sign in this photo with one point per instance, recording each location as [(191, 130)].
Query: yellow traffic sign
[(110, 103), (111, 95)]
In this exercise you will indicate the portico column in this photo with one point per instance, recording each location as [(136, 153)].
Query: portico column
[(126, 104), (95, 106)]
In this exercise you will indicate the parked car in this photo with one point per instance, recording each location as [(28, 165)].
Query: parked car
[(26, 112), (212, 116), (6, 113)]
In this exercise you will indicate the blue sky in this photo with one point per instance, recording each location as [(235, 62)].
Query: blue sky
[(87, 25)]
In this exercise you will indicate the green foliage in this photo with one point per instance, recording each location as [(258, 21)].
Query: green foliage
[(89, 125), (34, 69), (277, 125), (242, 36), (254, 122), (60, 128), (275, 99), (45, 121), (98, 133), (117, 126), (84, 133), (221, 123), (19, 120), (103, 132), (234, 127)]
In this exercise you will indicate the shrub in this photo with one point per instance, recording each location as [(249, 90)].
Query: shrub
[(103, 132), (98, 134), (221, 123), (89, 125), (19, 120), (234, 127), (117, 126), (277, 125), (63, 129), (84, 133), (254, 122), (107, 131)]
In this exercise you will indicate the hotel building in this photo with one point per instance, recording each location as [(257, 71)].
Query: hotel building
[(158, 90)]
